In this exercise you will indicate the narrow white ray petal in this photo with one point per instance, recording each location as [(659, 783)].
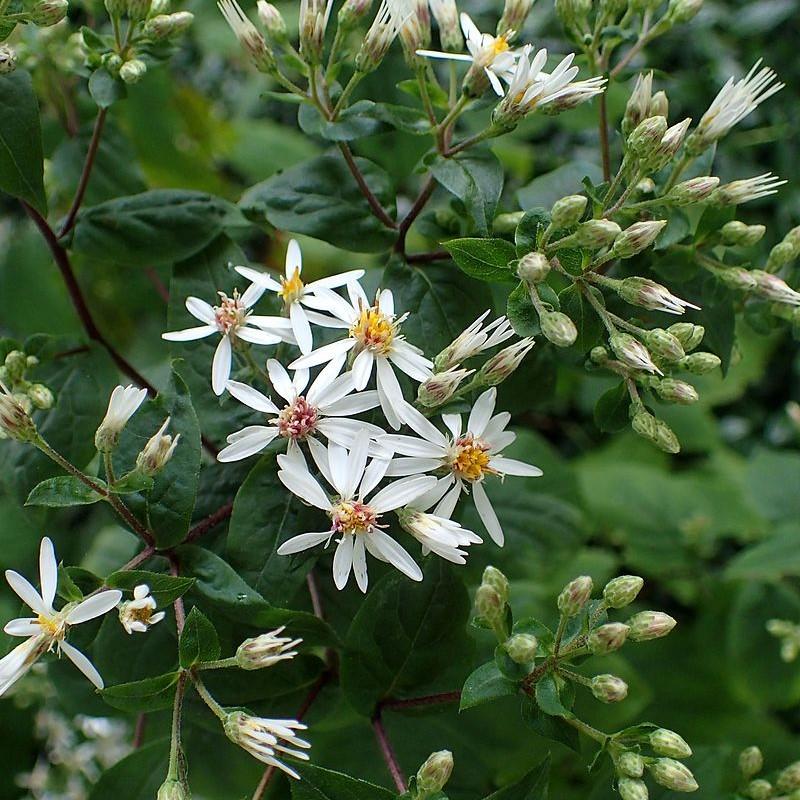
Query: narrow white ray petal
[(327, 300), (486, 513), (322, 320), (453, 424), (391, 393), (280, 379), (433, 495), (510, 466), (252, 294), (82, 663), (189, 334), (294, 258), (247, 445), (261, 278), (337, 461), (495, 81), (319, 453), (387, 549), (303, 541), (221, 366), (301, 328), (413, 465), (16, 663), (334, 281), (300, 482), (257, 336), (354, 404), (445, 56), (329, 386), (410, 362), (252, 397), (411, 446), (386, 301), (424, 427), (248, 430), (362, 369), (360, 563), (300, 380), (343, 561), (401, 492), (447, 505), (201, 310), (357, 462), (482, 412), (94, 606), (48, 572), (344, 431), (23, 627), (373, 475), (322, 354), (24, 589)]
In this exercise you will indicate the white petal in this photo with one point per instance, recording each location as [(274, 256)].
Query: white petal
[(387, 549), (280, 379), (189, 334), (412, 466), (356, 463), (481, 412), (23, 627), (447, 505), (411, 446), (433, 495), (301, 328), (386, 301), (252, 397), (201, 310), (300, 380), (252, 294), (453, 424), (221, 366), (257, 336), (323, 354), (48, 572), (294, 258), (334, 281), (344, 431), (301, 483), (319, 453), (486, 513), (94, 606), (373, 475), (413, 364), (362, 369), (360, 563), (495, 81), (337, 461), (343, 561), (302, 542), (82, 663), (446, 56), (401, 492), (24, 588), (510, 466), (261, 278), (423, 427), (329, 386), (247, 445), (390, 393)]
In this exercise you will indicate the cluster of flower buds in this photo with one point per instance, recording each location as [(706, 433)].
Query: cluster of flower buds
[(783, 785), (447, 381), (789, 635), (432, 776), (43, 14), (27, 394), (491, 603)]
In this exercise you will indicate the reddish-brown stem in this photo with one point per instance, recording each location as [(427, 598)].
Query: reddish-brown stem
[(427, 700), (374, 203), (158, 284), (138, 731), (388, 753), (414, 212), (211, 521), (426, 258), (313, 591), (86, 173)]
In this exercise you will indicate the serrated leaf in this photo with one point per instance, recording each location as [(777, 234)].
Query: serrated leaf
[(199, 641), (484, 259), (151, 694), (164, 588), (485, 684), (63, 491), (324, 784)]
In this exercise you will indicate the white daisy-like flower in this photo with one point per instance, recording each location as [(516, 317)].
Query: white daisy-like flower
[(746, 189), (233, 320), (266, 649), (735, 100), (49, 628), (468, 456), (375, 340), (473, 340), (323, 409), (491, 53), (356, 513), (139, 615), (296, 294)]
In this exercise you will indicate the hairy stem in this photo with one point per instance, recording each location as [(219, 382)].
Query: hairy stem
[(173, 772)]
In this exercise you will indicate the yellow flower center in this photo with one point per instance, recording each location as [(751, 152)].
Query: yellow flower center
[(373, 330), (500, 45), (471, 458), (54, 627), (350, 516), (291, 288)]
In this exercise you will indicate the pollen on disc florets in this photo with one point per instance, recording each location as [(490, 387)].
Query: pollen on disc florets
[(374, 330), (292, 288), (230, 314), (352, 516), (470, 458), (55, 627), (298, 420)]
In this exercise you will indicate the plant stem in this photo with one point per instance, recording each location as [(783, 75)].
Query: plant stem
[(418, 702), (677, 171), (586, 730), (425, 96), (355, 79), (211, 521), (109, 467), (173, 772), (419, 204), (222, 663), (625, 195), (218, 710), (374, 203), (487, 133), (602, 126), (599, 309), (452, 115), (388, 754), (562, 626)]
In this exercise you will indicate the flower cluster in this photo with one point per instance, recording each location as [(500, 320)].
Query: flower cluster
[(783, 784), (356, 459)]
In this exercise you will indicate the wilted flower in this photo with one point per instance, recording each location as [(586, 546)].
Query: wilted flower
[(743, 191), (137, 615), (266, 739), (437, 534), (266, 649), (473, 340)]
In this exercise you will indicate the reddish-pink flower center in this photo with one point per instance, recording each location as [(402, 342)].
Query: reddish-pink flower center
[(230, 314), (298, 420), (352, 516)]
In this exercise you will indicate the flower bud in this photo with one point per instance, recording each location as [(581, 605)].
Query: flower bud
[(132, 71), (632, 789), (574, 596), (737, 233), (737, 278), (598, 355), (441, 386), (568, 211), (501, 365), (488, 604), (666, 439), (138, 9), (313, 23), (48, 12), (695, 190), (496, 580), (669, 743), (521, 648), (558, 328), (433, 775), (659, 105), (630, 764), (533, 267), (647, 625), (157, 452), (607, 638), (650, 295), (350, 14), (172, 790), (116, 8), (159, 7), (266, 650), (446, 14), (672, 775), (573, 13), (700, 363), (515, 12), (507, 222), (774, 288), (680, 11), (609, 688), (164, 26), (15, 364), (759, 789), (783, 253), (631, 352), (672, 390), (622, 591), (41, 397), (750, 761), (8, 59), (15, 421), (638, 106), (664, 344), (596, 233), (644, 424), (637, 237), (688, 334), (789, 778), (646, 137)]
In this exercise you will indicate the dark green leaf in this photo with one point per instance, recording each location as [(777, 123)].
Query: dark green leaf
[(485, 684), (769, 472), (531, 226), (137, 776), (547, 697), (579, 310), (105, 89), (324, 784), (532, 787), (64, 490), (554, 728), (521, 312), (484, 259), (719, 319), (199, 641), (611, 410), (164, 588), (67, 588), (562, 181), (151, 694), (134, 481)]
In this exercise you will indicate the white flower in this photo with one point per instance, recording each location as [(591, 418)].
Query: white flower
[(735, 100), (375, 340), (296, 294), (48, 629), (467, 455), (774, 288), (137, 615), (232, 319), (743, 191), (492, 53), (322, 409), (158, 451), (413, 22), (248, 35), (123, 404), (265, 739), (266, 650), (474, 340), (355, 512)]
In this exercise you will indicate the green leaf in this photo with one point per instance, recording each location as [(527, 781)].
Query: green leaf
[(531, 226), (545, 189), (355, 122), (579, 310), (164, 588), (67, 588), (475, 178), (776, 558), (718, 316), (134, 481), (533, 786), (135, 777), (151, 694), (554, 728), (156, 227), (105, 89), (611, 410), (484, 259), (324, 784), (321, 198), (485, 684), (199, 641), (521, 312), (547, 697), (407, 637), (62, 491), (769, 472), (21, 160)]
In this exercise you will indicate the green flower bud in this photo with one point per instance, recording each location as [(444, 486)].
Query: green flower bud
[(494, 578), (650, 295), (558, 328), (48, 12), (15, 420), (700, 363), (609, 688), (737, 233), (533, 267), (489, 605), (783, 253), (669, 743), (596, 233), (434, 774), (793, 238), (789, 778), (506, 223), (8, 59), (132, 71), (159, 7), (695, 190), (666, 439), (750, 761), (573, 13), (172, 790), (575, 595), (16, 363), (646, 137), (164, 26), (659, 105), (638, 105), (680, 11), (759, 789), (521, 648), (515, 12), (41, 396), (630, 764), (607, 638), (598, 355), (645, 425), (637, 237), (672, 390), (647, 625), (632, 789), (737, 278), (631, 352), (568, 211), (664, 344), (688, 334), (138, 9), (350, 14), (275, 25), (622, 591), (673, 775), (116, 8)]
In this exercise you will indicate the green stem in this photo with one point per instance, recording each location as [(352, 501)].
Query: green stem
[(173, 772), (587, 730), (626, 194), (355, 79), (487, 133), (222, 663), (71, 468), (677, 172), (218, 710), (109, 466), (425, 96), (562, 626), (575, 677), (599, 309)]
